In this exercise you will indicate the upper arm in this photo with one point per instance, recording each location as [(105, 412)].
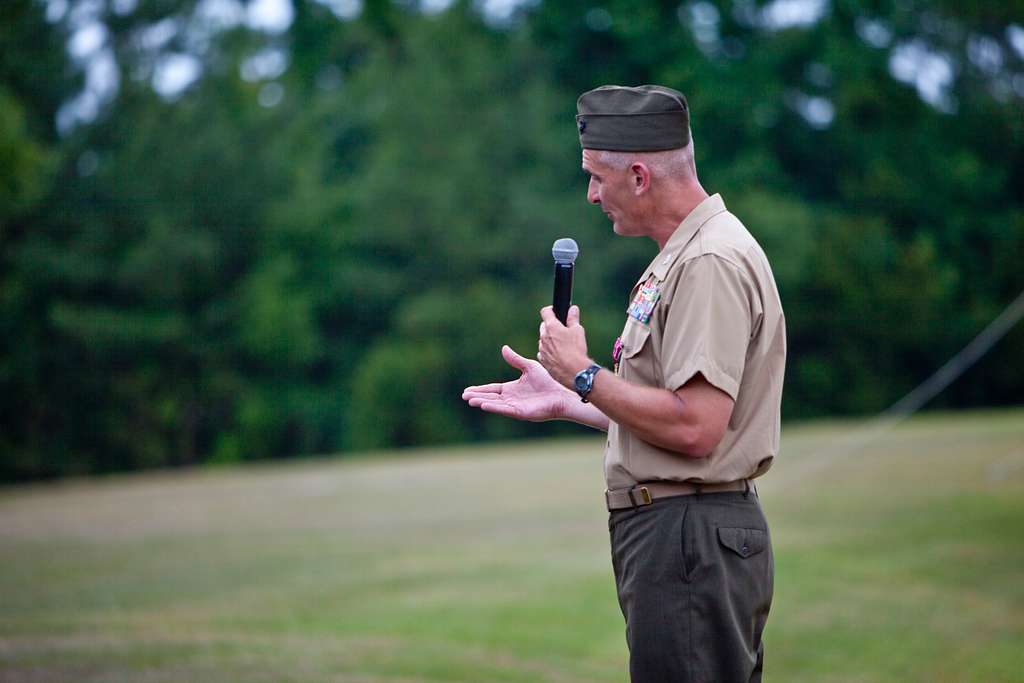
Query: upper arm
[(708, 326), (708, 409), (707, 331)]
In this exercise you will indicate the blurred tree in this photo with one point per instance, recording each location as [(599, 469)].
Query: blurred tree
[(33, 78), (225, 238)]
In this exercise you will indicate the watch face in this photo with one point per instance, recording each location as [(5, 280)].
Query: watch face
[(581, 381)]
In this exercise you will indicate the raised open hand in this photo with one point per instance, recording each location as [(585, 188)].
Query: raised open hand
[(535, 396)]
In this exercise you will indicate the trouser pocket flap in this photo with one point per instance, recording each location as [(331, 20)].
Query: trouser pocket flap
[(743, 542)]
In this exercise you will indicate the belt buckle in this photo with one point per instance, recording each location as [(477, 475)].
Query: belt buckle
[(645, 496)]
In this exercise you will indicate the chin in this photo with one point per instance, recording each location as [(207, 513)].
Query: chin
[(623, 230)]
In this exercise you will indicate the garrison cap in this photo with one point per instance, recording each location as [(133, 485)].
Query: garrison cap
[(645, 118)]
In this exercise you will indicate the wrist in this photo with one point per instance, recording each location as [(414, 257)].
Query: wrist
[(565, 407), (583, 382), (571, 369)]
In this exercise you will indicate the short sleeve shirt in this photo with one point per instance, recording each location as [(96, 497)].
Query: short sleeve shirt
[(706, 304)]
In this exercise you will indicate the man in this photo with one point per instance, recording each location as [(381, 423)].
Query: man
[(691, 405)]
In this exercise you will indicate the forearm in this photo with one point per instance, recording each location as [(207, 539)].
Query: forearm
[(658, 416), (585, 413)]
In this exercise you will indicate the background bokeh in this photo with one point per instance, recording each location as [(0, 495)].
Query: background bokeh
[(234, 231)]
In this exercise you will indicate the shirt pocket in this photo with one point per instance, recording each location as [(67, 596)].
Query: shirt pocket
[(637, 363), (634, 338)]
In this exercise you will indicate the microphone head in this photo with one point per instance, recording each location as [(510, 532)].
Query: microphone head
[(565, 250)]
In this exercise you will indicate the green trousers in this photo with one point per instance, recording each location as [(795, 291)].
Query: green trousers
[(694, 577)]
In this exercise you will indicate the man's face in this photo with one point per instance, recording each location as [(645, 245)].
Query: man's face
[(613, 190)]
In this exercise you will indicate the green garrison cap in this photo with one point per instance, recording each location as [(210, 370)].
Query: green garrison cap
[(645, 118)]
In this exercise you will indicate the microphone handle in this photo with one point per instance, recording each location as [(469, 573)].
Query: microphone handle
[(563, 291)]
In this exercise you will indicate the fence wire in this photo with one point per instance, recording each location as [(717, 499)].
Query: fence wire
[(880, 425)]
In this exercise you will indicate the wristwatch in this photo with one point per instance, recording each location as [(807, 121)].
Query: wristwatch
[(584, 381)]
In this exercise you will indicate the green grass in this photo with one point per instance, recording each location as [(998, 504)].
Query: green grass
[(901, 562)]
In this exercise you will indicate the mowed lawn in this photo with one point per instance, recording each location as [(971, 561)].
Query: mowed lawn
[(900, 562)]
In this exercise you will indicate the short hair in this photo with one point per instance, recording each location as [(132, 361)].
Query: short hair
[(671, 163)]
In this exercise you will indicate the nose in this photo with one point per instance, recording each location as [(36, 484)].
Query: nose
[(593, 192)]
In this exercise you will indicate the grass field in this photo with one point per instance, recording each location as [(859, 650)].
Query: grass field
[(903, 562)]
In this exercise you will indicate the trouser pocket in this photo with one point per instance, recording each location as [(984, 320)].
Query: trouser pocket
[(730, 578)]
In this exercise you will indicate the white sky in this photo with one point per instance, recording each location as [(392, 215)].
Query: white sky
[(787, 13), (930, 72), (175, 72), (272, 16), (1015, 34)]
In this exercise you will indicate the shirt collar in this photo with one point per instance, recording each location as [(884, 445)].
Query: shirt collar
[(701, 214)]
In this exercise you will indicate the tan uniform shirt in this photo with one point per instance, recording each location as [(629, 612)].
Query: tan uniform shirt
[(712, 308)]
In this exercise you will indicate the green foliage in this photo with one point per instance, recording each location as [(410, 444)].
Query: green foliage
[(320, 255), (25, 161), (396, 401)]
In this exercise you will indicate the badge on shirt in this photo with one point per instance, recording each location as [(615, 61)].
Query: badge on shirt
[(643, 303), (616, 354)]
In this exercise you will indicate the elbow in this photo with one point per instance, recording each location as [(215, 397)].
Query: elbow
[(702, 448), (696, 442), (698, 428)]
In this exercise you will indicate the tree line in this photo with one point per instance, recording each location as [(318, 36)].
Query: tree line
[(332, 225)]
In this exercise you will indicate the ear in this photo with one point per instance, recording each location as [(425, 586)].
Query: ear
[(641, 176)]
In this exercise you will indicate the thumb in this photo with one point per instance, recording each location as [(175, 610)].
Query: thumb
[(573, 318), (513, 358)]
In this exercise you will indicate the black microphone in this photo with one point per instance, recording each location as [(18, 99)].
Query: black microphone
[(564, 251)]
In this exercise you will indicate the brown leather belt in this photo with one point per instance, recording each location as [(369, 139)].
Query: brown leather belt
[(645, 494)]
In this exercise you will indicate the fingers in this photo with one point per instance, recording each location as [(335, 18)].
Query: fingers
[(486, 395), (548, 314), (573, 319), (499, 408), (475, 400), (514, 359), (493, 387), (490, 402)]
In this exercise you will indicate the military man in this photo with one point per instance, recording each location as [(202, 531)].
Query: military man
[(691, 402)]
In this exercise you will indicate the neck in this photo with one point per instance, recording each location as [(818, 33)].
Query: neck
[(673, 208)]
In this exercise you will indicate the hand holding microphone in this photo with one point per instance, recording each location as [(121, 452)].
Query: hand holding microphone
[(564, 252), (538, 393), (562, 347)]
